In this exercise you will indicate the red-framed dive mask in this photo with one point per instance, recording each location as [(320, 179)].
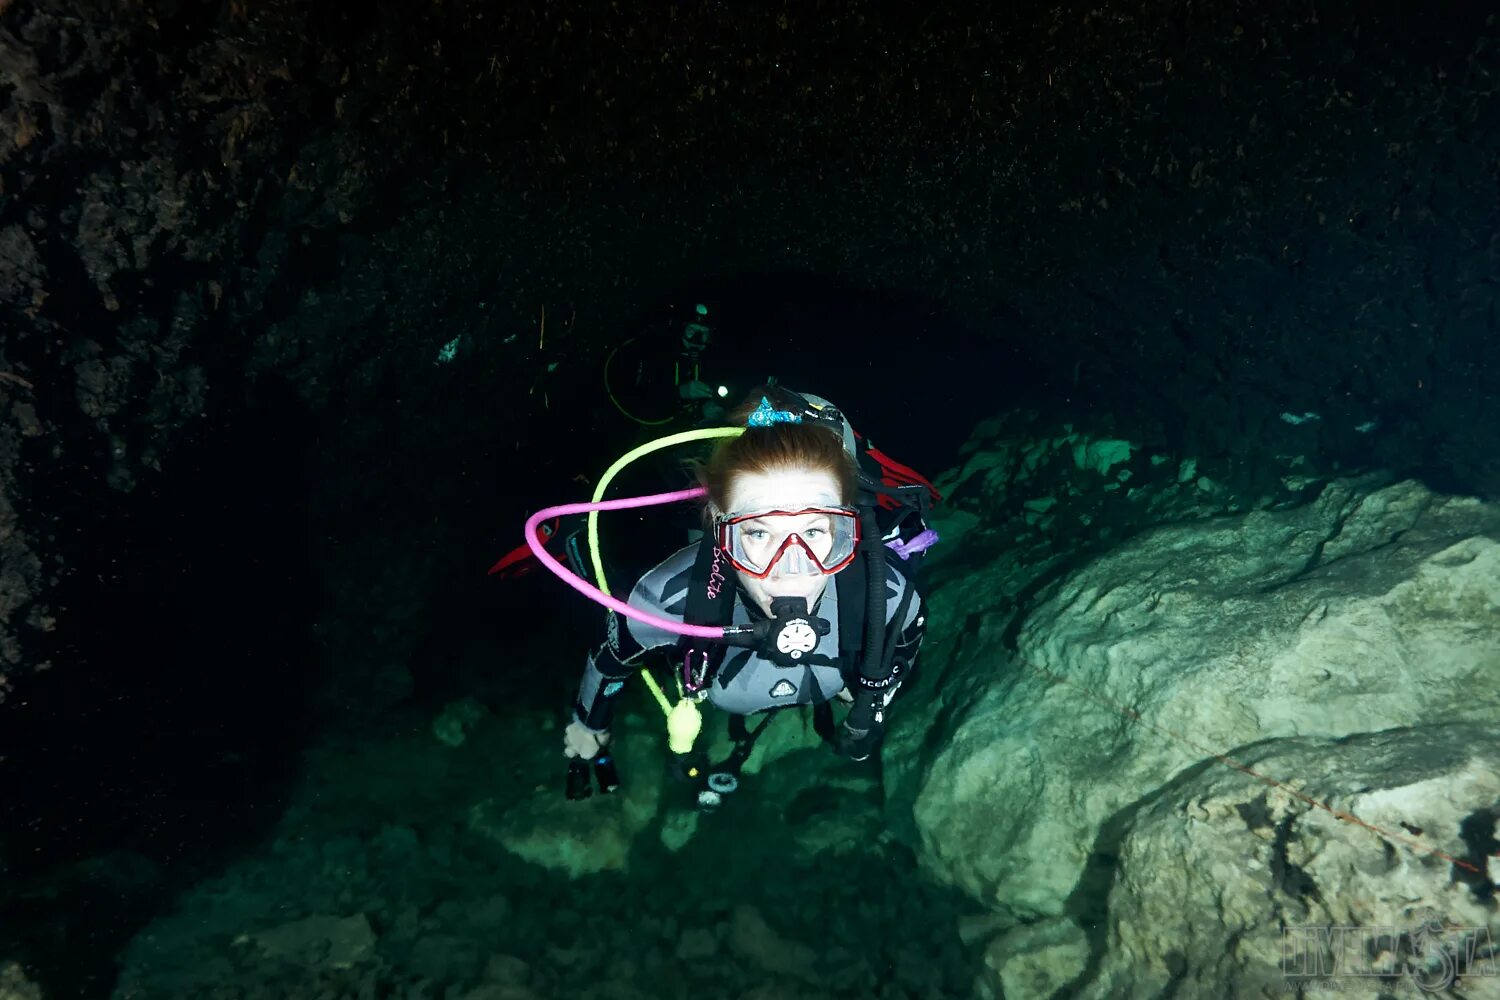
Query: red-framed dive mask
[(803, 542)]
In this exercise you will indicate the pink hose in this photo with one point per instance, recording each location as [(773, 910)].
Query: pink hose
[(592, 592)]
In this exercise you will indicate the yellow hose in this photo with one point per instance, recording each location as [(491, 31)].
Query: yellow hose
[(703, 434)]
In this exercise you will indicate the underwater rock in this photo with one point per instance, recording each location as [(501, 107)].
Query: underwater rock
[(1036, 960), (15, 986), (754, 941), (318, 940), (591, 835), (453, 724), (1359, 613), (1224, 886)]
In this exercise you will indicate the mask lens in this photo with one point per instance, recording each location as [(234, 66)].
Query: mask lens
[(815, 540)]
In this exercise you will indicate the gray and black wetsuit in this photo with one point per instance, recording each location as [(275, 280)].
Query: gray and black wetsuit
[(746, 682)]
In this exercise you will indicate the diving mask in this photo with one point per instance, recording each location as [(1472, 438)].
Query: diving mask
[(805, 542)]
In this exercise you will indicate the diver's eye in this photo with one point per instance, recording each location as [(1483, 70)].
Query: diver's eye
[(756, 534)]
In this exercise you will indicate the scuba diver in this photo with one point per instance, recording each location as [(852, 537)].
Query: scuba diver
[(633, 370), (695, 402), (800, 592)]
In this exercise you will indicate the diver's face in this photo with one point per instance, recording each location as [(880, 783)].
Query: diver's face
[(790, 490)]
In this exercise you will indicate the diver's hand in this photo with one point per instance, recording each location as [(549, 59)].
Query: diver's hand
[(858, 744), (581, 741), (696, 389)]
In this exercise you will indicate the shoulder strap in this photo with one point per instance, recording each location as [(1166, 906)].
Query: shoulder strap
[(851, 583), (874, 658), (710, 601)]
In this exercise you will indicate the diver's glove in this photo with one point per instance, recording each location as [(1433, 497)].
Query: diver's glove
[(581, 741), (860, 734)]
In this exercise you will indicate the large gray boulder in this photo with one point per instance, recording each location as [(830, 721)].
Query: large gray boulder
[(1068, 772)]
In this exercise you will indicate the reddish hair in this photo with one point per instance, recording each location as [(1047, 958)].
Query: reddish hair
[(770, 450)]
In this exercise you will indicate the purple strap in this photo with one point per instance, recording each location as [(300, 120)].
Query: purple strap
[(921, 543)]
